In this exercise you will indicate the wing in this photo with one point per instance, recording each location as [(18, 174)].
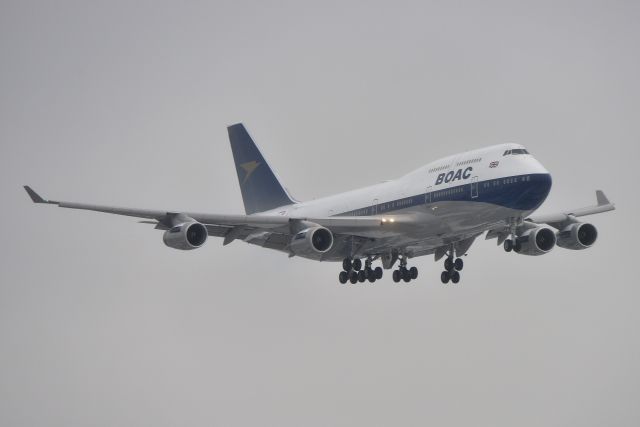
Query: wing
[(557, 220), (269, 231)]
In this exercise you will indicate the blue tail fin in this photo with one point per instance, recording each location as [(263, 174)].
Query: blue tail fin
[(261, 190)]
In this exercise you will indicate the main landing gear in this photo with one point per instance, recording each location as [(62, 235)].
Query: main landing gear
[(451, 269), (354, 273), (404, 273)]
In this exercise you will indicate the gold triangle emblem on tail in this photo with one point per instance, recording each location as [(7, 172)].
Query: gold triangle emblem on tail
[(249, 168)]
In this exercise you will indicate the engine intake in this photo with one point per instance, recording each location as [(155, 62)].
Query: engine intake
[(536, 241), (577, 236), (312, 241), (186, 236)]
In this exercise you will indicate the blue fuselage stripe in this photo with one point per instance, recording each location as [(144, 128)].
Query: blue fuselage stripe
[(519, 192)]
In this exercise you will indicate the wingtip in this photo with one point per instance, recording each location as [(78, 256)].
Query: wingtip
[(35, 197), (601, 198)]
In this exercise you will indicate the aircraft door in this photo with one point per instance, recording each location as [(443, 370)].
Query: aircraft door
[(474, 187)]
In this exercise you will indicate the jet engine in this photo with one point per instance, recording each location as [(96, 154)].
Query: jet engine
[(536, 241), (577, 236), (312, 241), (186, 236)]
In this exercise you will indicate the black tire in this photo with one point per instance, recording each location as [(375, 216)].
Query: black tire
[(372, 277), (455, 277), (378, 272), (397, 276), (458, 264), (357, 264), (346, 264), (361, 276), (413, 272), (448, 264), (353, 277), (445, 277), (406, 275), (517, 247), (343, 277), (508, 245)]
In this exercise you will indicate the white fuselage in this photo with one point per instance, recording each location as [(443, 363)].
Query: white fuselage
[(454, 197)]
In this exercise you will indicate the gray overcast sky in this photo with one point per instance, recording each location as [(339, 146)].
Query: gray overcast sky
[(126, 103)]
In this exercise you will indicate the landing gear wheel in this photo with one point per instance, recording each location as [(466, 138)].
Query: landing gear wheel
[(413, 272), (396, 276), (357, 264), (448, 264), (517, 247), (371, 277), (458, 264), (378, 272), (353, 277), (406, 275), (361, 276), (445, 277), (346, 264), (508, 245), (455, 277), (343, 277)]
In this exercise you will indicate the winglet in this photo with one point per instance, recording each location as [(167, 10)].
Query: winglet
[(602, 199), (36, 197)]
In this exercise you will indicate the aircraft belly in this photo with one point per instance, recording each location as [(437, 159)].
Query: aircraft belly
[(436, 225)]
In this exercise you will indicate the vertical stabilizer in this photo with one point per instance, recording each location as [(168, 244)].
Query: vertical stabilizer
[(261, 190)]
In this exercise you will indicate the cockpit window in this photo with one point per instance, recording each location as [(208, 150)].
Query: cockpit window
[(515, 151)]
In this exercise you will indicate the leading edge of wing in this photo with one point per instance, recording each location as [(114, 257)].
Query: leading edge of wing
[(338, 224)]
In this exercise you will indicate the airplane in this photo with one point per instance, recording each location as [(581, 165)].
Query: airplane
[(438, 209)]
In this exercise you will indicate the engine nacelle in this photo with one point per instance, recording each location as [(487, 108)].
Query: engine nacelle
[(186, 236), (536, 241), (577, 236), (312, 241)]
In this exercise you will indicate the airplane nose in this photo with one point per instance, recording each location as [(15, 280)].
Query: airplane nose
[(535, 166)]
